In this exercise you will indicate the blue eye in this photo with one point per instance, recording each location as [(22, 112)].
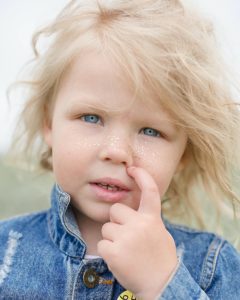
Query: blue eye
[(151, 132), (91, 118)]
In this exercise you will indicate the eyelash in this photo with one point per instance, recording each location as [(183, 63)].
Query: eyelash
[(87, 118)]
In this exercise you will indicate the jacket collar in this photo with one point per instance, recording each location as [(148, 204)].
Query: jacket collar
[(62, 225)]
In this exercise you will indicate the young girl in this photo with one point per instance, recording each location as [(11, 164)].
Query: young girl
[(131, 109)]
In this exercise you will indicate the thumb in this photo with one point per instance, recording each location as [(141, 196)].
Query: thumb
[(150, 201)]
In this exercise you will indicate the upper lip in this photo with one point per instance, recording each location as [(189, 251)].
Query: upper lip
[(112, 181)]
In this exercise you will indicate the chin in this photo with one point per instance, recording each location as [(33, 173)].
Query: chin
[(104, 218), (99, 216)]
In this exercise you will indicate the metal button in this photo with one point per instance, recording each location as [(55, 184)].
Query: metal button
[(90, 278)]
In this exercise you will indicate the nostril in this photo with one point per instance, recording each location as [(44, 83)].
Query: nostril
[(116, 155)]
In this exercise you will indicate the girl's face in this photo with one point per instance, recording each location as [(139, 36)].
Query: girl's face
[(97, 131)]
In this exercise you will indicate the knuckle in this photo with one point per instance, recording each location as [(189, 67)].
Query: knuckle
[(103, 231), (105, 228), (103, 249)]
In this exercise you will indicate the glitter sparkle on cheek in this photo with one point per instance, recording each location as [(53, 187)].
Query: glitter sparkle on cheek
[(112, 141), (141, 153), (87, 144), (144, 152)]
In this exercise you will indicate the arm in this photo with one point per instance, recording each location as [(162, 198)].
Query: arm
[(220, 276), (182, 286)]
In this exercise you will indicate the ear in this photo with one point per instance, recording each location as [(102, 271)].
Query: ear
[(47, 133)]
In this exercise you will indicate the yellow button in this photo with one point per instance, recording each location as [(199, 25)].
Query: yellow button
[(126, 295)]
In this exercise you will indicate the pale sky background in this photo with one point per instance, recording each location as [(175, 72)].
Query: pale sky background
[(19, 19)]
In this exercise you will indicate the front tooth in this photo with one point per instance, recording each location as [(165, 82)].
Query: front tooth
[(102, 185), (109, 187), (112, 188)]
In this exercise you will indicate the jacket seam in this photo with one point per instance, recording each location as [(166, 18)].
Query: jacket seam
[(210, 262)]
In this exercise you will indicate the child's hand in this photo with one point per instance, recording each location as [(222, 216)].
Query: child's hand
[(138, 249)]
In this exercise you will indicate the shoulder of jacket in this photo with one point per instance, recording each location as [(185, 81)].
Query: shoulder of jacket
[(216, 253), (209, 242), (216, 258), (21, 223), (190, 233)]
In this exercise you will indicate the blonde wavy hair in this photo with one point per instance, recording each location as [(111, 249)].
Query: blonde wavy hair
[(165, 48)]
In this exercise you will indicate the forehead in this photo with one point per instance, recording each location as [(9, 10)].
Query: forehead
[(94, 73), (96, 80)]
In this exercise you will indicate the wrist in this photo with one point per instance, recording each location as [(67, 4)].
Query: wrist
[(155, 293)]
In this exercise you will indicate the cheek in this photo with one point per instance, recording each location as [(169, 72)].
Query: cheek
[(89, 145), (143, 154), (160, 164), (66, 155)]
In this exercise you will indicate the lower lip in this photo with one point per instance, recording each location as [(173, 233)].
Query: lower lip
[(108, 195)]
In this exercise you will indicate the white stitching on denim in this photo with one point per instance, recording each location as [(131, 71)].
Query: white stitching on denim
[(210, 261), (180, 252), (12, 243)]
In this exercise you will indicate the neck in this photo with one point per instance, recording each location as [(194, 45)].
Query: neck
[(90, 232)]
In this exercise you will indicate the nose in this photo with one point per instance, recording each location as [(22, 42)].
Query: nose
[(117, 151)]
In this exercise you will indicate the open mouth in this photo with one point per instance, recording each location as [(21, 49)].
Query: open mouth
[(109, 187), (110, 190)]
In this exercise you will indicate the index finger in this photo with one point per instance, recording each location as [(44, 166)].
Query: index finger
[(150, 201)]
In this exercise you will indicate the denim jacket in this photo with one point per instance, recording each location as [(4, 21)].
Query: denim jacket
[(42, 256)]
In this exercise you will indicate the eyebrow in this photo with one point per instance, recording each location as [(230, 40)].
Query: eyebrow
[(77, 105), (91, 102), (86, 101)]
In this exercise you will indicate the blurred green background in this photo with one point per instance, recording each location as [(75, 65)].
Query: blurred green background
[(23, 191)]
